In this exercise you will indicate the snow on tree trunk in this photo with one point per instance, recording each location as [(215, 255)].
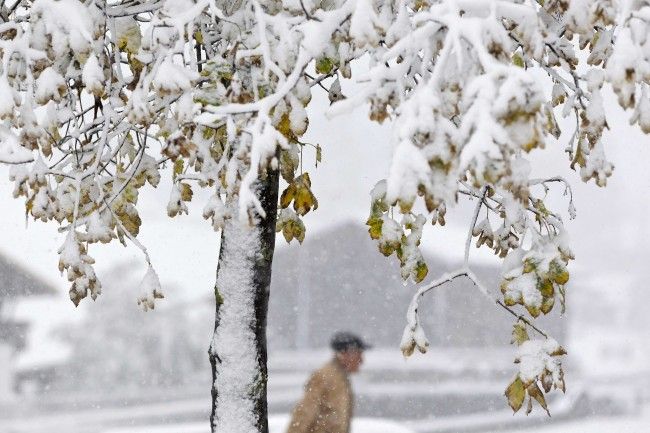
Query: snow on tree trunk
[(238, 350)]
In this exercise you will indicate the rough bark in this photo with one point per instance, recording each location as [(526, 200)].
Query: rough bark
[(243, 247)]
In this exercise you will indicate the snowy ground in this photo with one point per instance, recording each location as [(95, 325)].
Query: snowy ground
[(631, 424), (123, 420), (277, 424), (626, 424)]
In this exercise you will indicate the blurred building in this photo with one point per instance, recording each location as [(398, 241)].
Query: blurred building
[(338, 280), (609, 326), (111, 344), (15, 283)]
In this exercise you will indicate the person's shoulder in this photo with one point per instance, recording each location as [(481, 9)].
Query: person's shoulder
[(328, 371), (322, 370), (320, 377)]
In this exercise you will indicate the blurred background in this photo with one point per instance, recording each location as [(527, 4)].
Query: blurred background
[(106, 366)]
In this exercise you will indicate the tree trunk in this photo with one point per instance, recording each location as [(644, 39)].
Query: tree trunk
[(238, 350)]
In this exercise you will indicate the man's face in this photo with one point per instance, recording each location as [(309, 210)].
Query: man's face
[(351, 360)]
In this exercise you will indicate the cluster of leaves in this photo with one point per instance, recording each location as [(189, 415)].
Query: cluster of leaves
[(501, 241), (539, 369), (299, 193), (150, 288), (399, 239), (536, 277), (291, 226), (414, 338)]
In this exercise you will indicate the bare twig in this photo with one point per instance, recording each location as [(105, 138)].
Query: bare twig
[(307, 14), (522, 318)]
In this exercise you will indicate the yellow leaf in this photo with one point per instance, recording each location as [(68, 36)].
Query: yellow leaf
[(547, 304), (420, 4), (536, 393), (130, 194), (287, 196), (421, 271), (387, 248), (546, 288), (547, 381), (304, 200), (287, 232), (562, 277), (287, 165), (284, 127), (304, 179), (559, 351), (131, 222), (178, 167), (405, 206), (533, 310), (299, 231), (515, 394), (324, 65), (186, 192), (375, 224), (551, 123), (29, 205), (519, 333)]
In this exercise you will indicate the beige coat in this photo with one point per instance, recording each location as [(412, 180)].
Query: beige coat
[(327, 404)]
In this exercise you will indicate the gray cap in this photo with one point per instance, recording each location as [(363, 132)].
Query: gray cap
[(343, 341)]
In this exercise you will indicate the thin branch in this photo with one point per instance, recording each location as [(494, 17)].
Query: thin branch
[(318, 80), (474, 279), (560, 179), (122, 11), (522, 318), (485, 202), (307, 14), (13, 8), (8, 162), (412, 313), (468, 241)]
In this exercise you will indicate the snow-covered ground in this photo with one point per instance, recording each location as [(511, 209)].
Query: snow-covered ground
[(628, 424), (277, 424)]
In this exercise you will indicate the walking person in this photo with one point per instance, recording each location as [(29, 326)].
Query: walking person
[(327, 404)]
